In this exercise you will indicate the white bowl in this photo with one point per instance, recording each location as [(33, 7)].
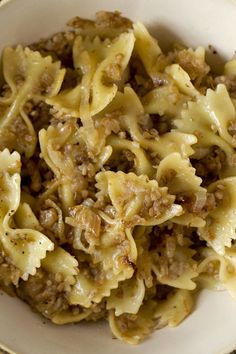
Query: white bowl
[(210, 329)]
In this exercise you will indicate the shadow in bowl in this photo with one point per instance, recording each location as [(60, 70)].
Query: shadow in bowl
[(166, 38)]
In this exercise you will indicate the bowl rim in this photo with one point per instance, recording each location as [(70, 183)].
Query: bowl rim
[(3, 348), (4, 2)]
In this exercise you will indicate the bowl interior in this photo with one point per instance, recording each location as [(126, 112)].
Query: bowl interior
[(210, 329)]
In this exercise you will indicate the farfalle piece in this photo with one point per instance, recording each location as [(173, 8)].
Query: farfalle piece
[(128, 297), (136, 199), (221, 112), (87, 228), (129, 109), (60, 261), (185, 280), (53, 142), (29, 76), (110, 70), (165, 100), (217, 272), (180, 177), (133, 329), (102, 64), (182, 80), (219, 230), (203, 118), (25, 247), (148, 50), (174, 309), (112, 262)]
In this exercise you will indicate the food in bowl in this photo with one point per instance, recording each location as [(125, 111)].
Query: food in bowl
[(118, 182)]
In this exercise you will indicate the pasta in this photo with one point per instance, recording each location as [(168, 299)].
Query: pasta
[(118, 177)]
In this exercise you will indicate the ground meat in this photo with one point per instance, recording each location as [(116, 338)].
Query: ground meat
[(5, 92), (52, 221), (99, 311), (195, 67), (48, 217), (112, 19), (155, 204), (165, 241), (45, 173), (59, 46), (139, 80), (209, 166), (58, 116), (129, 155), (34, 174), (16, 136), (103, 19), (9, 274), (121, 161), (161, 124), (46, 293), (113, 72), (232, 130), (39, 114)]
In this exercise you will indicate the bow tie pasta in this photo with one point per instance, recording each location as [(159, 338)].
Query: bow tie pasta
[(25, 247), (30, 77), (117, 176), (136, 200)]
